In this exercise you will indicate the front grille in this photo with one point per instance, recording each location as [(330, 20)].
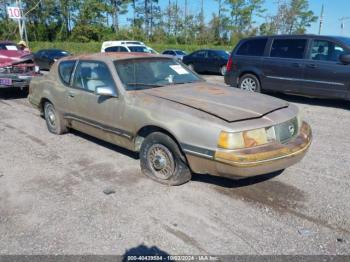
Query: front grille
[(18, 69), (287, 130)]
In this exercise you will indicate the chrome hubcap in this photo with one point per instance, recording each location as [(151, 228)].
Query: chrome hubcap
[(223, 70), (248, 84), (161, 161), (50, 114)]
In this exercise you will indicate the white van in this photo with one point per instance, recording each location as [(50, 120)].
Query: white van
[(126, 46)]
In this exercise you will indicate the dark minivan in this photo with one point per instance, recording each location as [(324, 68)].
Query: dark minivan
[(311, 65)]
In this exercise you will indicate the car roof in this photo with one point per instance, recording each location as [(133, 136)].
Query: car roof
[(112, 56), (107, 44), (52, 49), (294, 36), (173, 50)]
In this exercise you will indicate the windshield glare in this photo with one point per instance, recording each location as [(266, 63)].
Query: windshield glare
[(139, 74)]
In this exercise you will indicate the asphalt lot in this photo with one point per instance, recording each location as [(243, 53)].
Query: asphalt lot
[(52, 200)]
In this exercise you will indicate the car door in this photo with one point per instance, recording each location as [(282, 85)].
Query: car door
[(214, 62), (93, 114), (325, 75), (200, 61), (283, 68)]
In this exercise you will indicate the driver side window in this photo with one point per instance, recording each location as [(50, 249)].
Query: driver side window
[(91, 75), (323, 50)]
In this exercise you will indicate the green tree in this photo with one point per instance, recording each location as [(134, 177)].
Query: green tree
[(299, 17)]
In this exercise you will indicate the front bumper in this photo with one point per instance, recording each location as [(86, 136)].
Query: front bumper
[(254, 161), (17, 81)]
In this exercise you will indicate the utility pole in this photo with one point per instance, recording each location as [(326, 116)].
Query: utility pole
[(321, 20), (202, 16), (342, 25), (186, 14)]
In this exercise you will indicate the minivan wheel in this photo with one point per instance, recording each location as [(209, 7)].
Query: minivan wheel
[(223, 70), (250, 83), (162, 160), (54, 120)]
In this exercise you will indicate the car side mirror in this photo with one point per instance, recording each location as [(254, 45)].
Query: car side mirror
[(345, 59), (105, 91)]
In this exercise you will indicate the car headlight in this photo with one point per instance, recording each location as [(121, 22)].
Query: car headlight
[(37, 69), (246, 139)]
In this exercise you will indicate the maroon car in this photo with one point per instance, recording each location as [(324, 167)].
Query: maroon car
[(16, 67)]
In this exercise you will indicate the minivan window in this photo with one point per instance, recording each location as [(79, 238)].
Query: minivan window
[(345, 40), (112, 49), (254, 47), (65, 70), (323, 50), (288, 48)]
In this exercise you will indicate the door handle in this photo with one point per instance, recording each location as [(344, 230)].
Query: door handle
[(296, 65), (311, 66), (71, 93)]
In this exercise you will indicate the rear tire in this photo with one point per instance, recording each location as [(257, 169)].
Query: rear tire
[(162, 160), (249, 82), (54, 120), (223, 70)]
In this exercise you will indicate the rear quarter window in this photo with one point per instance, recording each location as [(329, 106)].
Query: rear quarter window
[(254, 47), (112, 49), (65, 70)]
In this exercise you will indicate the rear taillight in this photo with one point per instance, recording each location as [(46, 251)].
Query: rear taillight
[(229, 64)]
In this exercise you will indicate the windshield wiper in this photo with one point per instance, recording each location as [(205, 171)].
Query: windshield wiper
[(183, 83), (143, 84)]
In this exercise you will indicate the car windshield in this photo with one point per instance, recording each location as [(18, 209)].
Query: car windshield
[(140, 49), (180, 53), (8, 46), (346, 40), (222, 53), (59, 53), (145, 73)]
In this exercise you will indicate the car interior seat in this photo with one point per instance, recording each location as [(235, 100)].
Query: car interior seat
[(96, 79)]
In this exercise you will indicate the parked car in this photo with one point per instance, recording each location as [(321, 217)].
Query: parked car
[(312, 65), (126, 46), (207, 61), (46, 57), (179, 54), (128, 99), (16, 67)]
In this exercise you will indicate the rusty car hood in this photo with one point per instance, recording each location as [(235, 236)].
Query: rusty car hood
[(227, 103)]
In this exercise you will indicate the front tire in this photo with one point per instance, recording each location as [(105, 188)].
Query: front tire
[(250, 83), (54, 120), (162, 160)]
